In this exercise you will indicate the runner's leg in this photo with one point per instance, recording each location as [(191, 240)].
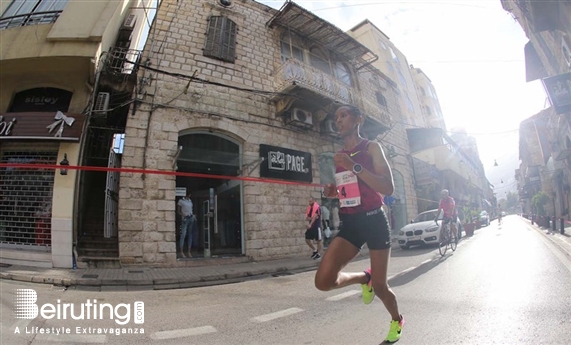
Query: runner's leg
[(337, 256), (379, 271)]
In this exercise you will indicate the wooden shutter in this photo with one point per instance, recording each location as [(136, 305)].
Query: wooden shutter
[(221, 39)]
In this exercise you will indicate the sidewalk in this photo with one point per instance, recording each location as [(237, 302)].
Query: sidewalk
[(562, 241), (144, 278), (138, 278)]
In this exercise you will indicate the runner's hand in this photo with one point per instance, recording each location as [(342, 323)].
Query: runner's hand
[(344, 161), (330, 190)]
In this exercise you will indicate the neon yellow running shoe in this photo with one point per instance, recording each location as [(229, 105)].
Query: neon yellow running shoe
[(395, 331), (368, 294)]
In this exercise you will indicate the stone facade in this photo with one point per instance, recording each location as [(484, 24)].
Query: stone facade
[(169, 106)]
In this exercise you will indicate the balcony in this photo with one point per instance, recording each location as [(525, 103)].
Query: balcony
[(294, 76), (121, 63), (29, 19)]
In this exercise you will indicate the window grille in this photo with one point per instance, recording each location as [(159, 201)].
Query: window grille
[(221, 39), (26, 196), (31, 12)]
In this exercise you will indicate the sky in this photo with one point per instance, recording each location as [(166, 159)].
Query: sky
[(472, 51)]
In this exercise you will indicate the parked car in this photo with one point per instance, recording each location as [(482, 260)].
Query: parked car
[(484, 218), (422, 230)]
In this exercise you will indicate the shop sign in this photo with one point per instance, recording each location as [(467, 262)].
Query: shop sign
[(41, 125), (6, 126), (286, 164), (559, 91), (41, 99)]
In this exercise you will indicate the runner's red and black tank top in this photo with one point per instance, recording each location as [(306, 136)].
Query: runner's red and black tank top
[(370, 198)]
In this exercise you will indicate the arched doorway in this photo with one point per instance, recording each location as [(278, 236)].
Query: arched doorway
[(217, 201), (398, 205)]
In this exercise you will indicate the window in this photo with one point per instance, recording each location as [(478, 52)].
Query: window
[(428, 112), (221, 39), (383, 45), (394, 56), (381, 99), (30, 12), (342, 73), (319, 60), (402, 79), (422, 91), (290, 48), (408, 102)]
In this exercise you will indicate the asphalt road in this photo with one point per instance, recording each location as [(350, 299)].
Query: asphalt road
[(505, 285)]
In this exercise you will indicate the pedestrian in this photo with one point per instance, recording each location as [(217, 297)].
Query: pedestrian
[(313, 231), (363, 172), (185, 211), (325, 216)]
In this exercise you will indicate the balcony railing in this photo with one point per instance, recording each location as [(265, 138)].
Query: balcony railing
[(29, 19), (122, 61), (376, 111), (293, 71)]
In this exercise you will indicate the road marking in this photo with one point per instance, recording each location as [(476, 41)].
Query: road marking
[(409, 269), (276, 315), (72, 338), (181, 333), (343, 295)]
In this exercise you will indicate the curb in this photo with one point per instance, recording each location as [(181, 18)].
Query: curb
[(94, 284), (542, 231)]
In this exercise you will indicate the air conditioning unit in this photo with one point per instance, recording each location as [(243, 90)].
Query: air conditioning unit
[(329, 127), (566, 51), (101, 103), (300, 117), (130, 21)]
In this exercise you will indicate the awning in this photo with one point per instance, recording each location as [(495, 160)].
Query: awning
[(306, 24), (533, 66)]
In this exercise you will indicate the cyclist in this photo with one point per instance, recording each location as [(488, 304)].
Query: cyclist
[(448, 206)]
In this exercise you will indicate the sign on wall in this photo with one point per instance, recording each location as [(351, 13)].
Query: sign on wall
[(285, 164), (41, 125), (41, 99), (559, 91)]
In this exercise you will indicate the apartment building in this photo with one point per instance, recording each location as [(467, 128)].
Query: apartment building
[(54, 57), (547, 58), (437, 161)]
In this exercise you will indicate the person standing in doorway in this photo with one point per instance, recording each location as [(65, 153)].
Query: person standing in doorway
[(313, 232), (185, 211), (363, 173)]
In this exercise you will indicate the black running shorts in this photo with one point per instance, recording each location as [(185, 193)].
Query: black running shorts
[(370, 227), (313, 234)]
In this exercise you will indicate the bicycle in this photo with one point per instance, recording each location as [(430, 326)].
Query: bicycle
[(447, 238)]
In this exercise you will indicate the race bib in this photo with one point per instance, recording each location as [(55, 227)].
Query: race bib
[(348, 187)]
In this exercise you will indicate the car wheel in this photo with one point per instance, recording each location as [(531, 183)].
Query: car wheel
[(405, 247)]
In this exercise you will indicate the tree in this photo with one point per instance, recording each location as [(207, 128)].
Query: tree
[(512, 201), (538, 201)]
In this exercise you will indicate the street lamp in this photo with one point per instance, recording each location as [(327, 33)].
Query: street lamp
[(64, 162)]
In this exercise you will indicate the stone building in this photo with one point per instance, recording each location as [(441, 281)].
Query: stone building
[(547, 24), (234, 105)]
